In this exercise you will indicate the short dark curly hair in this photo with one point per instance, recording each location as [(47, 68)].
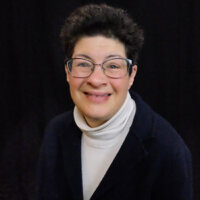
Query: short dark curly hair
[(101, 19)]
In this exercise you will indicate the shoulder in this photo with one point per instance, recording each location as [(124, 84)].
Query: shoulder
[(63, 118), (150, 125), (61, 121), (168, 139), (59, 125)]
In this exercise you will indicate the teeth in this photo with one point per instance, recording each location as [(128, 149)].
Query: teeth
[(100, 95), (97, 95)]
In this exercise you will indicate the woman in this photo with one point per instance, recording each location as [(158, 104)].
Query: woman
[(112, 145)]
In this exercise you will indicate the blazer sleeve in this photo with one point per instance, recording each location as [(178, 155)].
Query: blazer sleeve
[(174, 181), (182, 175)]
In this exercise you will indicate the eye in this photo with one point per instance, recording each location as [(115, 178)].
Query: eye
[(113, 66), (83, 64)]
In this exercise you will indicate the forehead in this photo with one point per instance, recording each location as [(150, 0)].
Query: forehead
[(98, 47)]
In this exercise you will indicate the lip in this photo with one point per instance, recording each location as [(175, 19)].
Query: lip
[(97, 93), (97, 97)]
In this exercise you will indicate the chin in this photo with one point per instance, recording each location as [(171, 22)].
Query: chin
[(97, 119)]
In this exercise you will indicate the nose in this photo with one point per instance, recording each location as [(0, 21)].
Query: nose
[(97, 78)]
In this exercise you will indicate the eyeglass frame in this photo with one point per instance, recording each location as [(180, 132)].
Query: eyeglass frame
[(128, 61)]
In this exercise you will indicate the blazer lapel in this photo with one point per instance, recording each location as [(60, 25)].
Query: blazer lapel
[(124, 164)]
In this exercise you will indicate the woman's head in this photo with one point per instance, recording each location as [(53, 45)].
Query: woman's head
[(93, 20), (97, 40)]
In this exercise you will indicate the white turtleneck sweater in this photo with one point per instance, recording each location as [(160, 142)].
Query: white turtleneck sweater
[(101, 144)]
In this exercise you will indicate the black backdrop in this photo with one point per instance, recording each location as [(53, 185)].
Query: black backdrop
[(34, 89)]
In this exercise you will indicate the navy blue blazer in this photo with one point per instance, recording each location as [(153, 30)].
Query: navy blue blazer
[(153, 163)]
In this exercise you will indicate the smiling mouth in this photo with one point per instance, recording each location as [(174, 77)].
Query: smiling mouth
[(98, 98), (97, 95)]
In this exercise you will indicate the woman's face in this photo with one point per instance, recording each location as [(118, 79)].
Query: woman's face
[(99, 97)]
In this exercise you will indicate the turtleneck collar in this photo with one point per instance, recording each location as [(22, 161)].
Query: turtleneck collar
[(108, 134)]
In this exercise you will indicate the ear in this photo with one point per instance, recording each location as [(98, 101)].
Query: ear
[(67, 73), (132, 76)]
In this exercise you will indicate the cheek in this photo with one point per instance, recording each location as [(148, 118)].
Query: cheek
[(120, 86), (74, 83), (74, 86)]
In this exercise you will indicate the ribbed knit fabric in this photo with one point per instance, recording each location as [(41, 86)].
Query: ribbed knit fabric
[(101, 144)]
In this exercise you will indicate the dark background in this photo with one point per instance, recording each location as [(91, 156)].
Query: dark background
[(34, 88)]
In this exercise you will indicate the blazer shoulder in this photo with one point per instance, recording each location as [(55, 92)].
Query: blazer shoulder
[(165, 132), (65, 117), (60, 123), (169, 142), (150, 125)]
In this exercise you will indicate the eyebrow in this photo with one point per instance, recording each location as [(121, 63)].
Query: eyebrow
[(114, 56), (107, 57), (83, 55)]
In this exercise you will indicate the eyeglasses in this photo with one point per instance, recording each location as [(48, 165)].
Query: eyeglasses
[(113, 68)]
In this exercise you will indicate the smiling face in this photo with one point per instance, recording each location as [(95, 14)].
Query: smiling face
[(99, 97)]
